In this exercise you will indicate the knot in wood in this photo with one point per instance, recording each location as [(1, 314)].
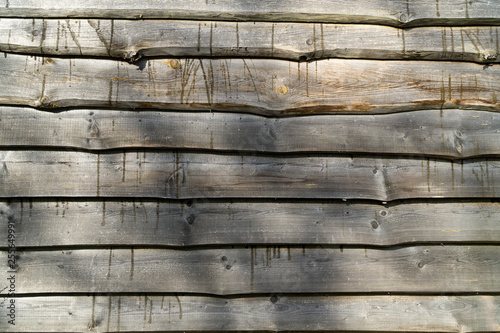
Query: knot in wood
[(174, 64), (403, 18), (282, 90)]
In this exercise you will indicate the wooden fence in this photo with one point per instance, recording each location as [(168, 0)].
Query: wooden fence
[(216, 165)]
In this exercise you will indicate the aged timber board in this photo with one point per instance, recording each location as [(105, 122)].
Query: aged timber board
[(138, 222), (447, 133), (238, 270), (389, 12), (296, 41), (268, 87), (174, 174), (154, 313)]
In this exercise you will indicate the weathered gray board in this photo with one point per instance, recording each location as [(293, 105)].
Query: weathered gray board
[(227, 270), (389, 12), (82, 223), (269, 87), (463, 267), (147, 313), (296, 41), (447, 133), (174, 174)]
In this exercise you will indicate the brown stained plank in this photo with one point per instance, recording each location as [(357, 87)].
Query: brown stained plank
[(449, 134), (273, 313), (390, 12), (49, 223), (224, 271), (267, 87), (173, 174), (295, 41)]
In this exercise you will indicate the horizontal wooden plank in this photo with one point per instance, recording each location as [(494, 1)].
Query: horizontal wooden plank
[(174, 174), (391, 12), (296, 41), (269, 87), (147, 313), (49, 223), (224, 271), (449, 133)]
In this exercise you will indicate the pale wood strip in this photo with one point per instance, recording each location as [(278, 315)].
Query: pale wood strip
[(146, 313), (263, 86), (295, 41), (460, 133), (174, 174), (390, 12), (224, 271), (50, 223)]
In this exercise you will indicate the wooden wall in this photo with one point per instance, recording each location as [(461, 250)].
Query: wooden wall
[(217, 165)]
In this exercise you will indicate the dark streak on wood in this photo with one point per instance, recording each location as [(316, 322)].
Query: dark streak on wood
[(73, 36)]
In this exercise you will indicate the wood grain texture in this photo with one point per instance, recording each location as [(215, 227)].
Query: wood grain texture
[(295, 41), (390, 12), (140, 222), (146, 313), (172, 174), (269, 87), (225, 271), (448, 133)]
